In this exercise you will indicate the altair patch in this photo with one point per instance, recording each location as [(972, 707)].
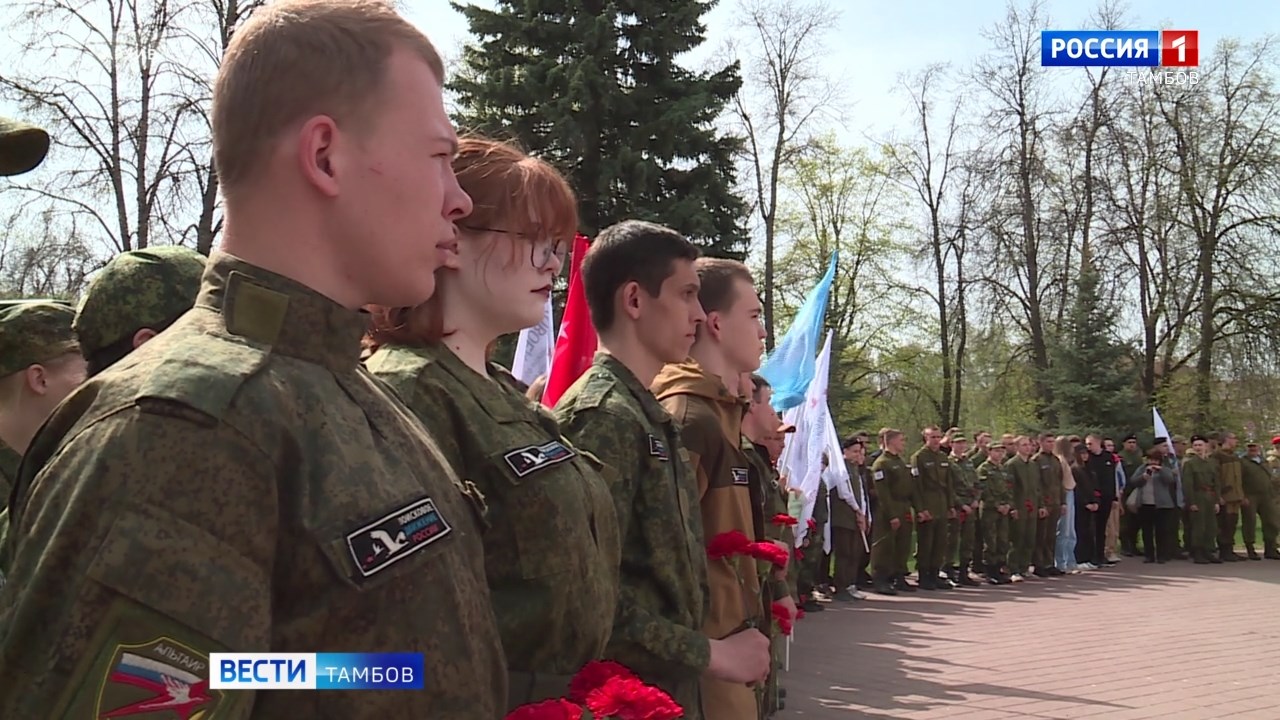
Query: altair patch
[(658, 449), (527, 460), (396, 536), (741, 476), (155, 680)]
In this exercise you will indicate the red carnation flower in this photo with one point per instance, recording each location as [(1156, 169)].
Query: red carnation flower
[(769, 552), (784, 520), (558, 709), (727, 544), (782, 616), (813, 526), (593, 675), (630, 699), (799, 554), (799, 613)]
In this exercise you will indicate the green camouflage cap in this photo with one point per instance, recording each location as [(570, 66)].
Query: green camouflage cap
[(22, 146), (34, 331), (138, 289)]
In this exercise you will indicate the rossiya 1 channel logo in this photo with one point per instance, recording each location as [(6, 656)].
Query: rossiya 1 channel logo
[(1120, 48)]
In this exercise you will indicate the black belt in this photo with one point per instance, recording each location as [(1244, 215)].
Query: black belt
[(531, 687)]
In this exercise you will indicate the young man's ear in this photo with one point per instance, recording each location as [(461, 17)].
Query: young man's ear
[(712, 325), (630, 293)]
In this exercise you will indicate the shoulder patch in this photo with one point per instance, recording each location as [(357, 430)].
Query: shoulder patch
[(878, 475), (658, 449), (203, 372), (395, 536), (527, 460), (741, 476), (154, 677), (915, 471)]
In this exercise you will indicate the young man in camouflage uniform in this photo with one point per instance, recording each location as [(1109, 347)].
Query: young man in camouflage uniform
[(642, 292), (40, 364), (931, 469), (762, 431), (1028, 503), (1231, 488), (1256, 478), (1000, 512), (849, 524), (892, 524), (962, 534), (242, 483), (1204, 501), (134, 298), (1053, 498)]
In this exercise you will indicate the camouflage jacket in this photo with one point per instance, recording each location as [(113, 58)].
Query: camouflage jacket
[(551, 547), (997, 486), (932, 472), (964, 480), (240, 483), (1200, 481), (1052, 493), (1256, 478), (662, 598), (1026, 484), (896, 490)]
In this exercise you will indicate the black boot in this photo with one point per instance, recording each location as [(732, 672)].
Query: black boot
[(1201, 559), (964, 578), (1271, 553), (1253, 554), (901, 585), (928, 580), (882, 586)]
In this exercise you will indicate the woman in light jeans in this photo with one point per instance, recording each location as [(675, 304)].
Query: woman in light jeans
[(1064, 555)]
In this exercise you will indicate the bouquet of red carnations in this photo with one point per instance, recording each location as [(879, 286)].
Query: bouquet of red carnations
[(604, 690)]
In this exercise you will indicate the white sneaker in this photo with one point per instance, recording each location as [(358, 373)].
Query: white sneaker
[(1087, 566), (1074, 571), (858, 594), (1015, 578)]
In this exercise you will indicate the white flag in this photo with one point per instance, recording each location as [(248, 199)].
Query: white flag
[(1161, 430), (815, 435), (534, 349)]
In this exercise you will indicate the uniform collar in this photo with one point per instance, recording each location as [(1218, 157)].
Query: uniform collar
[(652, 408), (285, 315)]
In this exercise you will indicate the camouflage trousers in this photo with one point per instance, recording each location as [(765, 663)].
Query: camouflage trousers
[(1022, 538), (1046, 538), (1260, 507), (1204, 530), (995, 538), (962, 538)]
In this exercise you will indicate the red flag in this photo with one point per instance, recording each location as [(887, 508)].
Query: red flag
[(576, 345)]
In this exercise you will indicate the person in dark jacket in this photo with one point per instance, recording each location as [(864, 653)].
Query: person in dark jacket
[(1101, 466), (1088, 511)]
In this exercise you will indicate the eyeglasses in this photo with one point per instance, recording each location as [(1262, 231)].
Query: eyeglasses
[(541, 249)]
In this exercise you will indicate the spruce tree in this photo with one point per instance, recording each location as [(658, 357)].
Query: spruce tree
[(595, 88), (1094, 376)]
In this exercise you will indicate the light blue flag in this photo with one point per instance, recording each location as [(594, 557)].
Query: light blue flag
[(791, 366)]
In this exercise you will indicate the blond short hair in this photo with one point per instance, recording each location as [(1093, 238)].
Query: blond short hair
[(295, 59)]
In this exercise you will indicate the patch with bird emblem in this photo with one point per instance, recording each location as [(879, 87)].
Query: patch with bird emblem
[(161, 679), (396, 536)]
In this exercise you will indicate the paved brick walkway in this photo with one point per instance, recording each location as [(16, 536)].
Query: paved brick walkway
[(1135, 641)]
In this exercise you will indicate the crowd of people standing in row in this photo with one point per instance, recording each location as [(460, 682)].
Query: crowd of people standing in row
[(1036, 506)]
